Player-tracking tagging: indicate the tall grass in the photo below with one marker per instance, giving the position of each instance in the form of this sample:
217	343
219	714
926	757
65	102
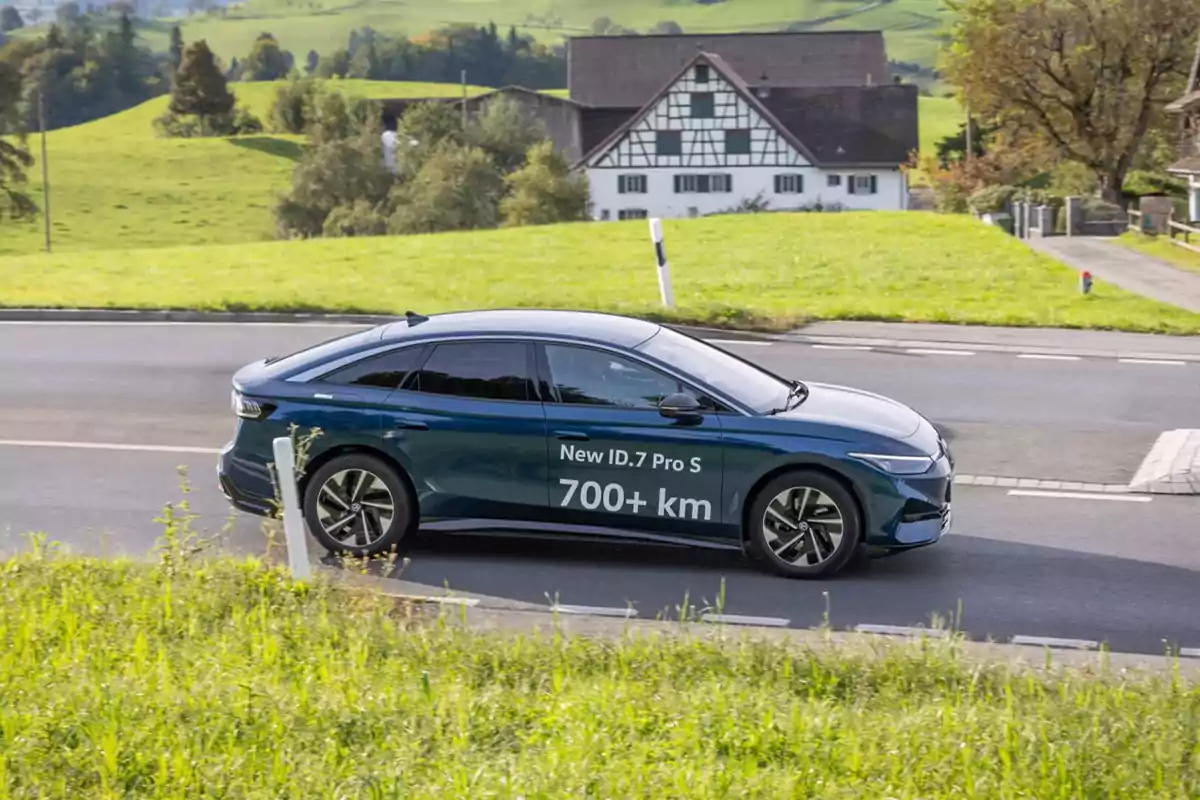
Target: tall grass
199	676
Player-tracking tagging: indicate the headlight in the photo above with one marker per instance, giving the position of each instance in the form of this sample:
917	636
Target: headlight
247	408
897	465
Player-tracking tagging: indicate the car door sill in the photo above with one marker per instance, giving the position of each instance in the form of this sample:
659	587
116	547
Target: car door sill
544	530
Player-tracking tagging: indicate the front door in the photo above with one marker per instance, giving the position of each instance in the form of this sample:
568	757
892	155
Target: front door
614	460
469	428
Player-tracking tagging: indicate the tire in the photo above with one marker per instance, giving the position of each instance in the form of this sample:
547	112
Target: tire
815	549
370	530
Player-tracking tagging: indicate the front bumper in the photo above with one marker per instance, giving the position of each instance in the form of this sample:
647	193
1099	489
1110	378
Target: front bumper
916	511
246	484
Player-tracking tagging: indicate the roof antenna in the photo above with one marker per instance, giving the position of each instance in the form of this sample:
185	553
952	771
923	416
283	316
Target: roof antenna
414	318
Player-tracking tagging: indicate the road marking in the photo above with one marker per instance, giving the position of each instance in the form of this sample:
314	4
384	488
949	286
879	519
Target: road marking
140	448
1047	357
902	630
740	619
841	347
752	342
1128	498
1050	641
597	611
1162	361
921	351
1190	652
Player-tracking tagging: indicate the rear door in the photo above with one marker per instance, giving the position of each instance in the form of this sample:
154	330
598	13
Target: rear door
469	427
614	460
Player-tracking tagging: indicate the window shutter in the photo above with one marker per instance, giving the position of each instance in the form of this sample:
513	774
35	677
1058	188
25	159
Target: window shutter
850	181
678	181
778	178
874	185
620	184
800	184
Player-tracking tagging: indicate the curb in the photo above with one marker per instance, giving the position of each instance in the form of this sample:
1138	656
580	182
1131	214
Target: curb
1172	465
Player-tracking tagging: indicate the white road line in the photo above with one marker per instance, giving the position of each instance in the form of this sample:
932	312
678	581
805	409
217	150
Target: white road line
751	342
1047	357
841	347
1127	498
739	619
921	351
596	611
1050	641
1190	652
1163	361
902	630
139	448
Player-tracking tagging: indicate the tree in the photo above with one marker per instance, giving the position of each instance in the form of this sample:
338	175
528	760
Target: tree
10	19
267	60
14	156
544	190
334	186
1090	77
456	188
199	86
311	62
176	47
667	27
506	131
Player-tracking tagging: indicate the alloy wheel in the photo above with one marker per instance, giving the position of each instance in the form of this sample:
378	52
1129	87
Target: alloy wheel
803	526
355	507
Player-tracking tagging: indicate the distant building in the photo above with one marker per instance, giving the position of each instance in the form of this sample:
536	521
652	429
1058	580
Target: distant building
688	125
1188	163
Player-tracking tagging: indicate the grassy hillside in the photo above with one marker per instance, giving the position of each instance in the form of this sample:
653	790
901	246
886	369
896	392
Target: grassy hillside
116	184
771	270
323	25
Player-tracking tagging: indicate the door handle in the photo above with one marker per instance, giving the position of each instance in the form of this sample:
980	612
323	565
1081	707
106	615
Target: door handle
573	436
409	425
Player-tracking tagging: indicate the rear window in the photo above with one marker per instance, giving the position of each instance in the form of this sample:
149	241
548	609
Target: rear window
321	351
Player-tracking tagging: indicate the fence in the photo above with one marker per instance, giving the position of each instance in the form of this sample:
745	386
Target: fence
1178	233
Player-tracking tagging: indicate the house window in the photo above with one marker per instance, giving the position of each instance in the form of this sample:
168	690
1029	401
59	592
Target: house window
693	211
668	143
631	213
631	184
604	215
862	184
702	104
833	180
789	184
737	142
703	184
702	73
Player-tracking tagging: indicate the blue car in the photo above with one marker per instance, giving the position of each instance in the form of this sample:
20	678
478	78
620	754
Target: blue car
579	422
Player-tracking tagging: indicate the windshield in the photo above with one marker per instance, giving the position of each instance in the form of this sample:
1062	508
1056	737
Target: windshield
736	378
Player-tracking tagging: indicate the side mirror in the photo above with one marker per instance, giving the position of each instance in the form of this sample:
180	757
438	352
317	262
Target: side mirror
680	406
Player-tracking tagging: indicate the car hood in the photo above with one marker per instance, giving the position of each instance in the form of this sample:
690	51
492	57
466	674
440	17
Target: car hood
853	408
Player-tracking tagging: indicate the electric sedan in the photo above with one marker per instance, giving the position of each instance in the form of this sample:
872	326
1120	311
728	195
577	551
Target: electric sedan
580	422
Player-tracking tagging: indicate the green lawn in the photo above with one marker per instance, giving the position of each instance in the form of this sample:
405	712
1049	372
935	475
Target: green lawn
1159	247
116	184
771	270
224	678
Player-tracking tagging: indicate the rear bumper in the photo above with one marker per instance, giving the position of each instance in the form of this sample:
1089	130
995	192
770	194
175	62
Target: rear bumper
246	484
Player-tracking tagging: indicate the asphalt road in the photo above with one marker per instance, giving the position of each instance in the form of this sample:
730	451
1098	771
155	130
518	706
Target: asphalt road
1116	571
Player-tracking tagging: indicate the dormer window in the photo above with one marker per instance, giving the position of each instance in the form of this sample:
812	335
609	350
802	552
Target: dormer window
701	73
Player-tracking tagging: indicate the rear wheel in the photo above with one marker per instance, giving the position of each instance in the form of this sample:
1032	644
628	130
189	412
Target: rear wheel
358	504
804	524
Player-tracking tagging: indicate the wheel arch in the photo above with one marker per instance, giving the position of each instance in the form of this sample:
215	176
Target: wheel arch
325	456
802	466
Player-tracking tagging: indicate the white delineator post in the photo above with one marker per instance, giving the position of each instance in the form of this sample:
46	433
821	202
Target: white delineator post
293	519
664	272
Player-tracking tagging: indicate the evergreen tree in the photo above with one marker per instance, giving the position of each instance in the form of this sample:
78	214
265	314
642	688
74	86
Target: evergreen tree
199	87
10	19
310	63
176	46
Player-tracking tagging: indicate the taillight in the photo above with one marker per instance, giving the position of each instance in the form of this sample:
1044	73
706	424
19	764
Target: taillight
247	408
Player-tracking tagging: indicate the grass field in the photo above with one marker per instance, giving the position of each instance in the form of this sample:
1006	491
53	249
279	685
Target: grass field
222	678
1159	247
771	270
939	117
115	183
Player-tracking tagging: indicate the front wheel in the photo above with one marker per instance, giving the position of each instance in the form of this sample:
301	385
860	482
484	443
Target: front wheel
357	504
804	524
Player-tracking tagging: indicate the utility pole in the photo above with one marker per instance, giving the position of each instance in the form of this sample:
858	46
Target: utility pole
464	99
970	149
45	164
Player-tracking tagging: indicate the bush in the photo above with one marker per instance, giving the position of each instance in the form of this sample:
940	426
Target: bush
456	188
293	106
189	126
991	199
544	190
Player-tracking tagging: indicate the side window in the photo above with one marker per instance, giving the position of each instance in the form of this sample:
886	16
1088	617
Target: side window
385	371
481	370
592	377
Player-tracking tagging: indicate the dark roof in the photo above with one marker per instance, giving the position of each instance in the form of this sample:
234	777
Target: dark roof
597	124
869	125
398	105
626	71
584	325
1189	166
853	124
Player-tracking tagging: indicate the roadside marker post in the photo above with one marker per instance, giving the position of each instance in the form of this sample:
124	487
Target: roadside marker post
293	520
660	255
1085	282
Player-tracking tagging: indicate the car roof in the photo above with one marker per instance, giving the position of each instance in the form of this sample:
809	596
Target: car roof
588	325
